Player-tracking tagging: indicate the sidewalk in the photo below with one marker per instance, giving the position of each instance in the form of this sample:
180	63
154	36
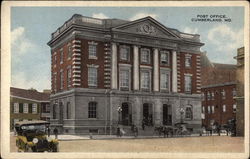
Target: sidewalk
103	137
63	137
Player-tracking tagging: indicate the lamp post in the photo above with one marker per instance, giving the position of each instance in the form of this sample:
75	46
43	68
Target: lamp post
119	109
182	112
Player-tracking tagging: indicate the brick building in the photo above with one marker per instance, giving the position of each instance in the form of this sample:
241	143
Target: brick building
218	92
108	70
240	92
28	105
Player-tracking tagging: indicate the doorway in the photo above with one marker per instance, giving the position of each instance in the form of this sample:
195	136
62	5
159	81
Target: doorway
167	114
126	114
148	114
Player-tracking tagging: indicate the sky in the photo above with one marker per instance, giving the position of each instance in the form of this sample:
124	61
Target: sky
31	29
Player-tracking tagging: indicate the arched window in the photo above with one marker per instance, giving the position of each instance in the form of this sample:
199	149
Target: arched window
68	110
189	112
92	109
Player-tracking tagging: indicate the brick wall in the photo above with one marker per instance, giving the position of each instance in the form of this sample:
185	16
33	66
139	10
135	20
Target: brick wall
218	115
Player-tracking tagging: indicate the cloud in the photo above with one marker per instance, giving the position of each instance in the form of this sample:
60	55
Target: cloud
190	30
20	44
142	15
225	42
226	38
99	15
37	81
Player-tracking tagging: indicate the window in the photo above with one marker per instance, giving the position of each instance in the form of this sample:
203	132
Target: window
202	96
20	107
188	83
145	56
224	108
25	108
124	79
55	81
234	108
30	107
69	51
188	60
208	96
164	81
55	59
61	79
164	57
223	94
124	53
16	107
203	109
234	92
145	80
68	110
208	109
69	77
92	76
48	108
61	55
189	113
34	108
212	109
212	95
92	51
92	109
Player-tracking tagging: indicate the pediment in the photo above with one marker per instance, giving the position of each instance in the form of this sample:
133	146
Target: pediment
146	26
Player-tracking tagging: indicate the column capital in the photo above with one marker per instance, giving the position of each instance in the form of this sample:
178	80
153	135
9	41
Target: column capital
138	46
156	48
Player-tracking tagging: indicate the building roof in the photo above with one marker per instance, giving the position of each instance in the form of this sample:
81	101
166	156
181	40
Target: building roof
216	73
29	94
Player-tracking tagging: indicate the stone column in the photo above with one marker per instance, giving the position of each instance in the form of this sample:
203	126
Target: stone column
174	72
114	67
156	70
135	68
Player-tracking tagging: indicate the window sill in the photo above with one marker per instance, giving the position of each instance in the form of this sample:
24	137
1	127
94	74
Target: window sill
145	89
124	88
164	64
91	86
93	57
92	118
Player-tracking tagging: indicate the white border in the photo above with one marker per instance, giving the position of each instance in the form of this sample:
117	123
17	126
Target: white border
5	78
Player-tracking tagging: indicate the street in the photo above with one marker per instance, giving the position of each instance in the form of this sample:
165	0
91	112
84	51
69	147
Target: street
183	144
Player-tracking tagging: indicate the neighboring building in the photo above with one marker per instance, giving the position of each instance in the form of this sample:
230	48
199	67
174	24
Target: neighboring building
240	92
148	70
218	92
28	105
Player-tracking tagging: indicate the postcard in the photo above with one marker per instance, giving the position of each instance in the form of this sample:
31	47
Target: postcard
127	79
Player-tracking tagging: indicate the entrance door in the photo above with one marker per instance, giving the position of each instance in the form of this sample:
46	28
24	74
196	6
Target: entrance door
126	114
148	114
167	114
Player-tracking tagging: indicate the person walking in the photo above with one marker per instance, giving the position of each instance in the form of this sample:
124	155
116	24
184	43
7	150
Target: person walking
143	124
118	132
135	131
48	131
56	132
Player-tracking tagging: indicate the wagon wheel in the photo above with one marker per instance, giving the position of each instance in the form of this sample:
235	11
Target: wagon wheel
178	132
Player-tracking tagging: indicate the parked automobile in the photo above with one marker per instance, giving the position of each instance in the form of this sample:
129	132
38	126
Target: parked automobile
32	137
